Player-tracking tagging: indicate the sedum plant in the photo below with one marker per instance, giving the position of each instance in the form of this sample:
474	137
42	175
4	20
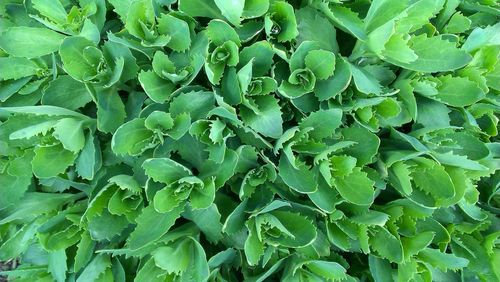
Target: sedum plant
250	140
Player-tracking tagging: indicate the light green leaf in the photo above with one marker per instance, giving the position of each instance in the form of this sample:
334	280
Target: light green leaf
366	147
267	121
442	261
322	63
323	123
110	110
219	32
301	180
435	54
365	81
95	268
58	265
281	20
49	161
387	245
327	269
232	10
355	187
314	27
70	132
480	37
75	62
178	30
200	8
132	138
458	91
66	92
30	42
165	170
158	89
151	225
53	10
15	68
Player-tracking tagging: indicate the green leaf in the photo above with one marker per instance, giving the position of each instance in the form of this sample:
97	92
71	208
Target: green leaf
261	53
458	23
223	171
321	63
202	198
10	87
387	245
380	269
268	120
151	225
281	19
323	123
480	37
30	42
158	89
70	132
231	91
197	104
232	10
53	10
167	199
428	175
58	265
313	26
355	187
178	30
165	170
184	258
110	110
14	188
254	248
95	268
255	8
366	147
300	227
207	220
173	259
442	261
381	12
139	136
84	252
66	92
159	121
301	180
139	20
396	48
327	269
200	8
365	81
219	32
435	54
336	84
15	68
76	64
132	138
49	161
345	19
413	245
325	197
189	260
18	242
458	91
400	178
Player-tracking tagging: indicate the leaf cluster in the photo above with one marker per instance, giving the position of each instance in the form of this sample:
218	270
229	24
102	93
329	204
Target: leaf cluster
250	140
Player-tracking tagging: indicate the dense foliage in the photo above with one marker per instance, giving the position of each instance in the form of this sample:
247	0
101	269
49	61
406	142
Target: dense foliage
250	140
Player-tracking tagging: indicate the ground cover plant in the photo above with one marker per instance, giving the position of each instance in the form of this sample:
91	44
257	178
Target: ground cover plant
250	140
